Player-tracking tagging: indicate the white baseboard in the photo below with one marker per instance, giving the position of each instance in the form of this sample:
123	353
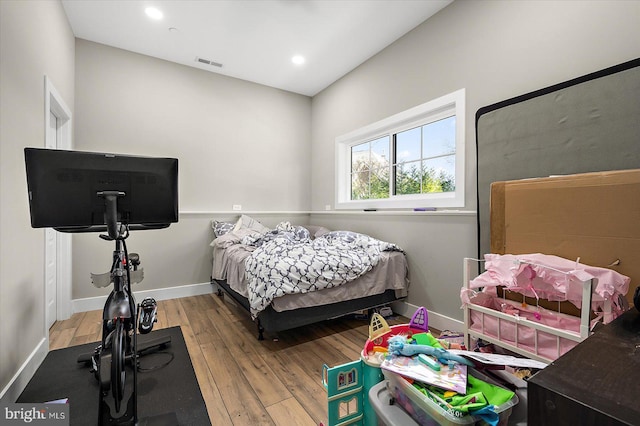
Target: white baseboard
436	320
96	303
19	381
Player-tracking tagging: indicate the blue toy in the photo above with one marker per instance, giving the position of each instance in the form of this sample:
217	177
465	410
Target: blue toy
398	346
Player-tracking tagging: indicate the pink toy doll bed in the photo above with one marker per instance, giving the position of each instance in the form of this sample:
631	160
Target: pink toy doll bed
540	294
532	330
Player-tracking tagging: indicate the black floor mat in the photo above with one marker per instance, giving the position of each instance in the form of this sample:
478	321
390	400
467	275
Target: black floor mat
162	389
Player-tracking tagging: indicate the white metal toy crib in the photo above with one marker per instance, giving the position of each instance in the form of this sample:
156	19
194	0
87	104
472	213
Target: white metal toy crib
545	342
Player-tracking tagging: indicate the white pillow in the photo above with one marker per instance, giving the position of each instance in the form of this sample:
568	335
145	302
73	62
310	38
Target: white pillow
249	222
316	231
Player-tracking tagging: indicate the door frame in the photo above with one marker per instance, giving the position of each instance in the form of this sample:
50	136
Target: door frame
54	103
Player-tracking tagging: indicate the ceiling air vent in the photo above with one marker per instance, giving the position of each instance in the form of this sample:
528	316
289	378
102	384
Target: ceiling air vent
208	62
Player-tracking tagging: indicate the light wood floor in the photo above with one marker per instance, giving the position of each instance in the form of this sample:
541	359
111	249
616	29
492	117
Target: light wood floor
277	381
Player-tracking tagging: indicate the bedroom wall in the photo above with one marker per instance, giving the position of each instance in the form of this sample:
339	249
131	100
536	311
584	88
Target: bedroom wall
35	40
494	49
236	142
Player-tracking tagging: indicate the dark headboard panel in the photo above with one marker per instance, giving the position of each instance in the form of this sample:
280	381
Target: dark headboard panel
588	124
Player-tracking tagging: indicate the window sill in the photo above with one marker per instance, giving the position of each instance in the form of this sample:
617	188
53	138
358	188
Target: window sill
443	212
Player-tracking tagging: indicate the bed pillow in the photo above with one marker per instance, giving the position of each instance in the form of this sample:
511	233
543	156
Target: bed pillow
249	222
348	236
221	228
301	233
317	231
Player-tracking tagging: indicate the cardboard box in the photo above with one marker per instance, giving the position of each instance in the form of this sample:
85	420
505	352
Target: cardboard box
591	216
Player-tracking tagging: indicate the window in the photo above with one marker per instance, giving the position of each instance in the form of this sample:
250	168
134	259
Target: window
348	408
347	378
412	159
370	169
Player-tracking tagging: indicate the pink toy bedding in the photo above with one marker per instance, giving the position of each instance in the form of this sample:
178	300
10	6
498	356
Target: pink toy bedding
518	333
553	278
529	329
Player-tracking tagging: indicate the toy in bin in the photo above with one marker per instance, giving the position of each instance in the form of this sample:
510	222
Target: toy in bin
376	348
430	406
348	385
433	385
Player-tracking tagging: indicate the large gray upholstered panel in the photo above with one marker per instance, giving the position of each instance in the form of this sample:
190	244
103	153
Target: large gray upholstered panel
588	124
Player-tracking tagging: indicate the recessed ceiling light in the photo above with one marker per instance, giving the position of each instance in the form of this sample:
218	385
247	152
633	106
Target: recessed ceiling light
298	59
153	13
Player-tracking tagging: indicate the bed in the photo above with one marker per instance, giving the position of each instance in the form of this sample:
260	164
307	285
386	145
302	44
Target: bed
291	276
556	176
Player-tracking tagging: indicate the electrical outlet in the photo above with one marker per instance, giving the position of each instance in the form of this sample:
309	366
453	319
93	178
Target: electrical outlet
237	207
327	207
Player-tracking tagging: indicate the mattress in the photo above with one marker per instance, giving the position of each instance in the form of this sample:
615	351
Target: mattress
391	273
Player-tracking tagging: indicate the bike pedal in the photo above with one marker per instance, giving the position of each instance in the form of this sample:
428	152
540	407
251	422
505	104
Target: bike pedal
148	310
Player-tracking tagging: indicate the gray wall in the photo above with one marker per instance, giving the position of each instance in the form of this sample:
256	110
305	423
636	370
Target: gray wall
236	142
435	245
494	49
35	40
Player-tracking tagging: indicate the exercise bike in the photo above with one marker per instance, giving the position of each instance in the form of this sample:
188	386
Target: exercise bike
81	191
121	319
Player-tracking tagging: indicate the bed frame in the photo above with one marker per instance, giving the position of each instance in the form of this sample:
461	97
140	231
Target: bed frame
272	321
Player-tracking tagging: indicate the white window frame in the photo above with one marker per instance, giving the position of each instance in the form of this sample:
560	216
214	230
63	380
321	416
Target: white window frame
437	109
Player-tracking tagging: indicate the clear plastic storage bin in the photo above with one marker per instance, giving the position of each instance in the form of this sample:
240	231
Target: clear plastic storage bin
388	414
427	412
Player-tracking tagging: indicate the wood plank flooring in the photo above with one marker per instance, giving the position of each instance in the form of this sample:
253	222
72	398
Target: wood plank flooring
277	381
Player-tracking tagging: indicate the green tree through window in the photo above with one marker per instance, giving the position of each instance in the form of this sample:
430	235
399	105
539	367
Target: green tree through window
411	159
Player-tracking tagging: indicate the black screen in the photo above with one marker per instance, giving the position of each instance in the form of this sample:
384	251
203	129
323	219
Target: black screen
64	185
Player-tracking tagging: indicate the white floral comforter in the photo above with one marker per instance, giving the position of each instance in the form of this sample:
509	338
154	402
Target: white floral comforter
286	261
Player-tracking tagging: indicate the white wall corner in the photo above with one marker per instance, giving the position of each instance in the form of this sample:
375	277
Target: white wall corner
19	381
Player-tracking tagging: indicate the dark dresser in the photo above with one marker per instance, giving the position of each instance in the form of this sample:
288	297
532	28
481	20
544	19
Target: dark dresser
595	383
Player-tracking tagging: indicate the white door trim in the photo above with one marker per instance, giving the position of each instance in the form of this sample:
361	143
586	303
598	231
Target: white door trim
56	105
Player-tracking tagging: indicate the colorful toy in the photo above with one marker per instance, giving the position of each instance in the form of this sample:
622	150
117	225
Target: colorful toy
348	385
344	386
429	361
398	346
379	333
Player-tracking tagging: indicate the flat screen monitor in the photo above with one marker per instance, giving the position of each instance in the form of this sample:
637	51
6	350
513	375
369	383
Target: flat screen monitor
66	189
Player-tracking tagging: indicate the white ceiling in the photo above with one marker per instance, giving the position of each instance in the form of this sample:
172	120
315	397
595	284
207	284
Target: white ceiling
255	39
